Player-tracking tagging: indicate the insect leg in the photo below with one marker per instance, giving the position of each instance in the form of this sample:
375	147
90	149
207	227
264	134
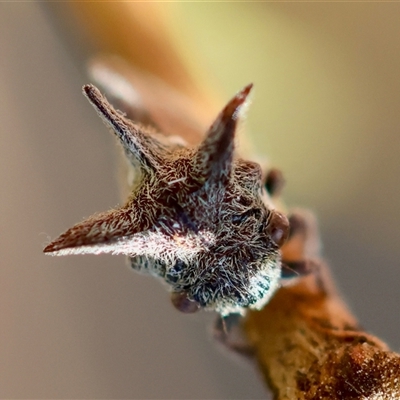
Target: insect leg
228	332
302	248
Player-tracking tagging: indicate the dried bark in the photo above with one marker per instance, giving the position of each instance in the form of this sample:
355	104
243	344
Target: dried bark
309	346
306	342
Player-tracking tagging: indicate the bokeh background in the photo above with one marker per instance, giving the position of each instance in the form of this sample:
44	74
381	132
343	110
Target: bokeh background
325	110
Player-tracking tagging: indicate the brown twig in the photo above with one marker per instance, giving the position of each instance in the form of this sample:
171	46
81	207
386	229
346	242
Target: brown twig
309	346
307	343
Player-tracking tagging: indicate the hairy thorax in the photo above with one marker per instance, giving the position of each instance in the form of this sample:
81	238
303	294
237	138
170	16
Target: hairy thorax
197	217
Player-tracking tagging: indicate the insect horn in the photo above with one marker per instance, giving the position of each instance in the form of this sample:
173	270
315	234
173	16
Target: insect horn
90	235
139	146
213	159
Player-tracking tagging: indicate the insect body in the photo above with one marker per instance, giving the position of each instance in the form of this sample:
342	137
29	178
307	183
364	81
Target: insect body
198	217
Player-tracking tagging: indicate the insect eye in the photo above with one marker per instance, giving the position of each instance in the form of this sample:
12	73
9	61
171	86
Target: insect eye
278	228
240	218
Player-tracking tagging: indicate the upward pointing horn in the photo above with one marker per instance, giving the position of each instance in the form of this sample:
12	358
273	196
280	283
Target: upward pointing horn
139	146
213	159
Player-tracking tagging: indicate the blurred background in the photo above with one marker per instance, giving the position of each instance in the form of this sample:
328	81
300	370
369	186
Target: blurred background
325	110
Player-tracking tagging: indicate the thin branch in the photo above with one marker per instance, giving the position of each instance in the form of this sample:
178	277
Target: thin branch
308	345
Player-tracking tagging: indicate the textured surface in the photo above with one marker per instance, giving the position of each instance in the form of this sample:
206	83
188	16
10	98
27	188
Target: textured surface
198	217
88	326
